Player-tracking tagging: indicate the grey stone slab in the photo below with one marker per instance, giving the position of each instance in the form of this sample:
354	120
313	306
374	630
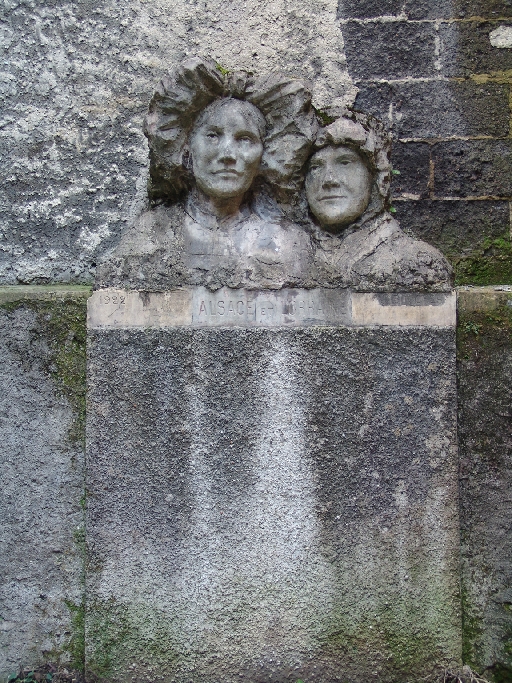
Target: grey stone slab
364	9
42	379
467	49
199	307
459	9
485	435
412	160
272	504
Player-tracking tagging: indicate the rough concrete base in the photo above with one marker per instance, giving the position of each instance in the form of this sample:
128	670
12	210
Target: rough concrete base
42	351
272	505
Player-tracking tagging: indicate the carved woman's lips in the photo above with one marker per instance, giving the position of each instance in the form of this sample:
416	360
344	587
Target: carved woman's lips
227	171
332	196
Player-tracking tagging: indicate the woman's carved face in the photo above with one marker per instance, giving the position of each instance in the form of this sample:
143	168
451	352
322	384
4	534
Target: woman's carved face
338	186
226	147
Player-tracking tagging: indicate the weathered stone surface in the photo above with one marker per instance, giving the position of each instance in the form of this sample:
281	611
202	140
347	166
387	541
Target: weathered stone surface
272	504
484	341
391	50
468	50
42	346
433	9
380	257
438	109
222	234
75	85
475	168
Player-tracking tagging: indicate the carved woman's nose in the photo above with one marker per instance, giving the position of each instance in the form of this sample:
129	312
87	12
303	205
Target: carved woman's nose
330	180
227	151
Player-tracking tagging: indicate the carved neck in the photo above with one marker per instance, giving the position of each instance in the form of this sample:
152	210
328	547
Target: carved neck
221	208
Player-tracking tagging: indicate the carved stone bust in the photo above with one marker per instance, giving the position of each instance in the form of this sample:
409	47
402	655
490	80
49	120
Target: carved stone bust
222	150
232	158
357	242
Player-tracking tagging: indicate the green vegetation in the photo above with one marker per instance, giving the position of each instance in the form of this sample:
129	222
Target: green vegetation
120	635
471	630
30	677
483	329
490	264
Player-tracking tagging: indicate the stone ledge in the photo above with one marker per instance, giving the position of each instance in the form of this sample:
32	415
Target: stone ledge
19	292
471	299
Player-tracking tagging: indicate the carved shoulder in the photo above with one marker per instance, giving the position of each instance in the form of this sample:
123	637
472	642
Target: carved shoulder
381	257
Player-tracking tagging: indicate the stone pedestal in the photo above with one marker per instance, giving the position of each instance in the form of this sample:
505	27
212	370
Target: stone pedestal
272	486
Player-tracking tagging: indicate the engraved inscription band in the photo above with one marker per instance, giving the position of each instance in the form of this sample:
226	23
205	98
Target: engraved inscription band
198	307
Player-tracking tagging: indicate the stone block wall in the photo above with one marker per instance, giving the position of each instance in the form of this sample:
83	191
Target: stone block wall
434	72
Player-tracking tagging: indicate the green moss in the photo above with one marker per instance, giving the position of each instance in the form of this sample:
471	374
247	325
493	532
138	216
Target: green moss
137	637
490	264
324	117
502	673
404	639
472	630
76	645
222	70
484	329
62	321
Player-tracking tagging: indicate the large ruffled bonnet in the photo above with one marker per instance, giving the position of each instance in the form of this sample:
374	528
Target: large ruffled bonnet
284	102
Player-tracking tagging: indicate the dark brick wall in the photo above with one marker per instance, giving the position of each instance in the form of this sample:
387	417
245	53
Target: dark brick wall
429	70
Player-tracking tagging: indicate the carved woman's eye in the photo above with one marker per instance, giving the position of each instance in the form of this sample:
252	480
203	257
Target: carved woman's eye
246	138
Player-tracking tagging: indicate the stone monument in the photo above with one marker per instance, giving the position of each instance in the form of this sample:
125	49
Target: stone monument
272	476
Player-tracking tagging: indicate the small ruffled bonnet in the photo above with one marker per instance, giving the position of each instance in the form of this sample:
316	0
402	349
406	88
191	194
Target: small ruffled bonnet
369	137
